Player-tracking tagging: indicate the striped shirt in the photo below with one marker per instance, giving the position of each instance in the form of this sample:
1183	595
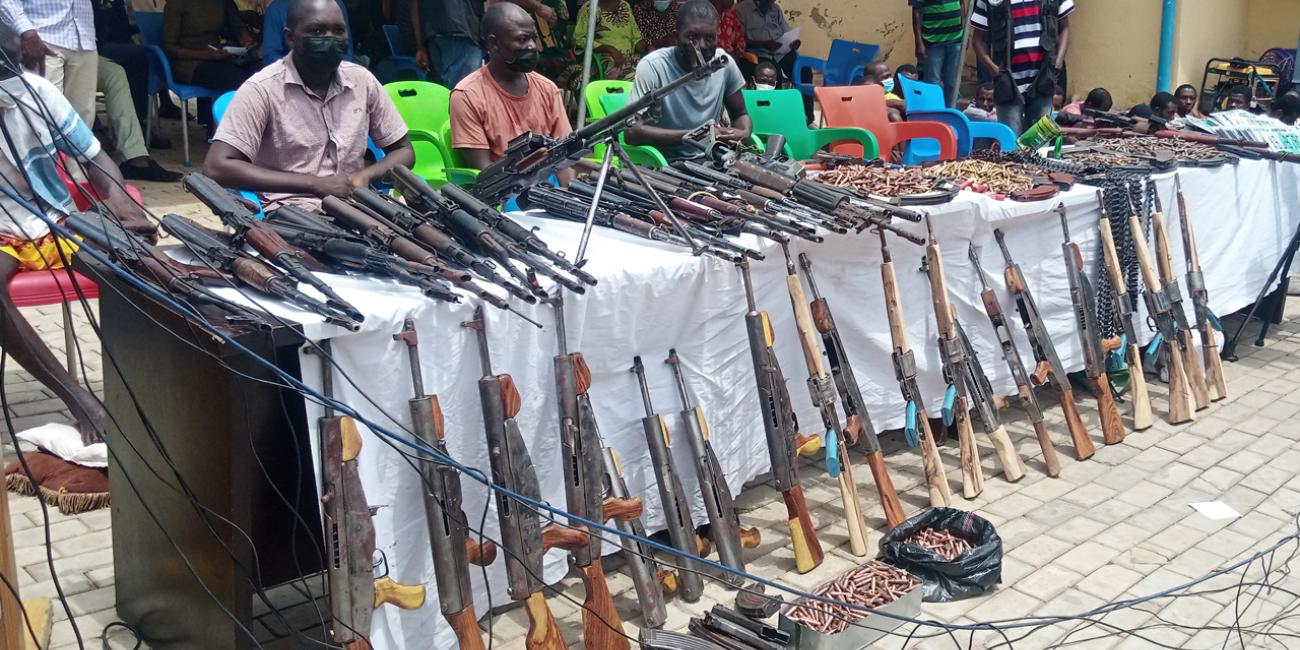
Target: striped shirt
940	20
1026	54
69	24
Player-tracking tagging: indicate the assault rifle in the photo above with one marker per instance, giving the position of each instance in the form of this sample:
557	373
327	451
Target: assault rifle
1011	355
917	423
522	535
699	213
1048	365
349	532
650	582
1205	319
255	233
583	489
857	424
185	281
1186	340
531	158
249	270
1084	300
453	550
677	514
724	526
784	442
571	207
821	387
762	199
731	202
1142	418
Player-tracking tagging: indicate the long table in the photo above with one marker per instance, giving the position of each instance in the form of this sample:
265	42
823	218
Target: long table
651	298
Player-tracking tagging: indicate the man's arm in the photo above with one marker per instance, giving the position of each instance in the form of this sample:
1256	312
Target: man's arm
980	40
741	125
172	41
475	158
1062	41
230	167
33	49
421	54
108	182
398	153
916	31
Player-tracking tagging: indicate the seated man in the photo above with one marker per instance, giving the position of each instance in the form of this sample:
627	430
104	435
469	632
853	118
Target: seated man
124	125
505	98
1188	97
877	74
194	38
1238	99
982	108
28	105
275	44
698	102
1286	108
766	76
297	130
1098	99
1164	106
765	24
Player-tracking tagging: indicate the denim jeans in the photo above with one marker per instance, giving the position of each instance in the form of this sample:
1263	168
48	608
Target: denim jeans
942	66
1019	117
454	58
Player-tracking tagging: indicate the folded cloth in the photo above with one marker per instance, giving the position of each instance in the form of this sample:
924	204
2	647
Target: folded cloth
65	442
69	486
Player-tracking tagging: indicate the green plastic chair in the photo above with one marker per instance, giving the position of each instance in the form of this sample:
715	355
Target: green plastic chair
781	111
425	108
609	101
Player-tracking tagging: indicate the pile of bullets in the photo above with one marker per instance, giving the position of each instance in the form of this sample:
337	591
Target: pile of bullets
874	584
1151	146
879	180
942	542
984	176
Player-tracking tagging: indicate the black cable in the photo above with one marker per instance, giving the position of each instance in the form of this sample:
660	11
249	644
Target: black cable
103	635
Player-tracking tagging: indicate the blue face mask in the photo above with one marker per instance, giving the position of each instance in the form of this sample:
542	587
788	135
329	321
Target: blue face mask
888	85
662	5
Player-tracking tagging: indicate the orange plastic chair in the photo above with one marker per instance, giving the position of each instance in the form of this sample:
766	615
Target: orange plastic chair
864	107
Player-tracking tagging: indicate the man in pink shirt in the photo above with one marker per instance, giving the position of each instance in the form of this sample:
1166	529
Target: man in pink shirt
297	130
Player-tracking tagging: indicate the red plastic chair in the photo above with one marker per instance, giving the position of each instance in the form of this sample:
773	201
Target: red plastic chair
864	107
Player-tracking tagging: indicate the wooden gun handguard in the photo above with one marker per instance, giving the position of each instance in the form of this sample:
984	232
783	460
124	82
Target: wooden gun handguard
569	539
511	402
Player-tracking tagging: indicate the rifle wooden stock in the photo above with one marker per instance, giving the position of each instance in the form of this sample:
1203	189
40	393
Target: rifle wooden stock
601	625
543	631
1050	459
391	592
808	553
885	488
564	537
1142	417
1180	394
465	625
1186	343
1083	446
1209	344
1112	428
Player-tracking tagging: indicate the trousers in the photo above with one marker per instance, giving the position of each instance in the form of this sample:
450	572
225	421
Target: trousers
123	122
942	66
1018	117
73	72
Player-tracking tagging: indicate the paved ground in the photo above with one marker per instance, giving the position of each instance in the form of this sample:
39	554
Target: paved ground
1115	527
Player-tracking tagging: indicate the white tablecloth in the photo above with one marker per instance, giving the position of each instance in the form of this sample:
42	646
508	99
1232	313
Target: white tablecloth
652	298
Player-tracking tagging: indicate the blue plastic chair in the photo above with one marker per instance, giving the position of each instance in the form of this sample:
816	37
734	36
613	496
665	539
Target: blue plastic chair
160	73
844	65
219	107
397	49
925	102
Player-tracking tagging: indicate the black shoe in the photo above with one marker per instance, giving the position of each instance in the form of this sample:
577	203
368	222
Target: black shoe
152	172
159	142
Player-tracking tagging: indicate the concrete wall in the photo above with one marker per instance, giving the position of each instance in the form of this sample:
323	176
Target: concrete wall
1115	44
1206	30
1271	23
887	23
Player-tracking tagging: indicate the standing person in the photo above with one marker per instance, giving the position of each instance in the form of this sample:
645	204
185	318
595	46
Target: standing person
1187	97
938	31
506	97
58	42
697	103
194	33
619	42
446	37
657	20
1022	44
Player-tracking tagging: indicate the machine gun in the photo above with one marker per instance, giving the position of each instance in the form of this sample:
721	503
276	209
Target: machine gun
453	550
781	427
917	423
1142	417
255	233
349	532
184	280
1205	319
531	158
1048	364
249	270
522	535
1011	355
1186	340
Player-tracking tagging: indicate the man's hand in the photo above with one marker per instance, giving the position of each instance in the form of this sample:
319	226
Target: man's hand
728	134
547	14
422	59
216	54
34	51
246	39
793	46
920	51
336	185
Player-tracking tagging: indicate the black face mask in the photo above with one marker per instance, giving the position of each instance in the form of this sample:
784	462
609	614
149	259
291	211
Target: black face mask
320	54
525	60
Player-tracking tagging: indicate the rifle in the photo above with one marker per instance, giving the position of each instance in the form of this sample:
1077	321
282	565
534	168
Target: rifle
650	583
522	536
724	526
250	271
1085	315
1205	319
704	215
677	514
354	592
821	387
263	239
1186	341
186	281
1011	355
917	427
583	489
781	427
1142	418
1180	393
1048	365
857	424
764	200
452	548
531	158
571	207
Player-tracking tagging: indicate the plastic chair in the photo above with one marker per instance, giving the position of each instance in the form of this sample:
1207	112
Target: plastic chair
846	62
426	109
864	107
160	74
53	287
641	154
397	49
219	107
781	111
925	102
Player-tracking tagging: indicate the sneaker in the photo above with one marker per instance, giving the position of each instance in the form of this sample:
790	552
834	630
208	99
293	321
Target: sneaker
152	172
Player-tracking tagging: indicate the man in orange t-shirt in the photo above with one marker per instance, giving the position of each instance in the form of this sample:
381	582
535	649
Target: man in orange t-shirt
505	98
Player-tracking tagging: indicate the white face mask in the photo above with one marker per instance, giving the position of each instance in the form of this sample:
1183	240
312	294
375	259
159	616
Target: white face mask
888	85
759	86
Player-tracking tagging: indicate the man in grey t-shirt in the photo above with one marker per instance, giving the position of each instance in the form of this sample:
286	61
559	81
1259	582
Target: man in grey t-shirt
698	102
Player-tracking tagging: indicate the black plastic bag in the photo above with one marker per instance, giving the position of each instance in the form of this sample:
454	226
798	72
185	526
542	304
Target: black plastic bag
970	574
